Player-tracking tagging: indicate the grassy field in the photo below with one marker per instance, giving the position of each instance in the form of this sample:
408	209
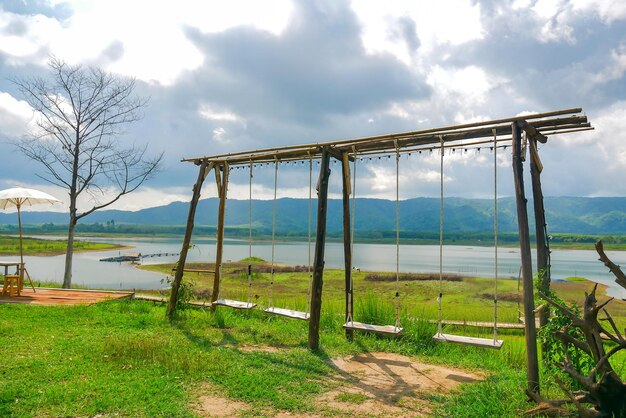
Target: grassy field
10	245
123	358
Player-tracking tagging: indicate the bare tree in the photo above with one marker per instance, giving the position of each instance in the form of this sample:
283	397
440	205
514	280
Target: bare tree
80	113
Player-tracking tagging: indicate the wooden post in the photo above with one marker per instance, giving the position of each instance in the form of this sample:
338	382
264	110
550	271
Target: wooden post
222	191
543	251
532	362
347	240
318	261
178	276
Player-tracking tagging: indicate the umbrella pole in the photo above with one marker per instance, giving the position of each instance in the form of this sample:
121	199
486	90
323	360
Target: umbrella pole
22	266
19	223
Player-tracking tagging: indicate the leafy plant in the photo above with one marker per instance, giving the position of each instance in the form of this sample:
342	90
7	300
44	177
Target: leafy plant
554	351
185	292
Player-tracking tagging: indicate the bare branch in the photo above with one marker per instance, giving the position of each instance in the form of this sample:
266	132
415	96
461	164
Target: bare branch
613	325
620	277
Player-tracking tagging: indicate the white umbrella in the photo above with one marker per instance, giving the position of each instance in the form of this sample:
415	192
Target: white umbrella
18	197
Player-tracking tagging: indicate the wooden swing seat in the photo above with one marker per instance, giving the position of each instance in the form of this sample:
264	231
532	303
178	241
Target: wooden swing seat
473	341
236	304
289	313
377	329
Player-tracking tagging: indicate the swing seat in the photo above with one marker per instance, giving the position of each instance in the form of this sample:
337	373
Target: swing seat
236	304
289	313
376	329
473	341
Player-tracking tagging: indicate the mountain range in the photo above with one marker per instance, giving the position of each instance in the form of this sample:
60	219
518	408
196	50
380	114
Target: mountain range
579	215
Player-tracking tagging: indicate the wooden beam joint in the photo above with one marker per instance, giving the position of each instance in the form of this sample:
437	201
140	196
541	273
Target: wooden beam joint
532	132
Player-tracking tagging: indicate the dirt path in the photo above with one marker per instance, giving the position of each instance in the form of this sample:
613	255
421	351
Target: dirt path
369	384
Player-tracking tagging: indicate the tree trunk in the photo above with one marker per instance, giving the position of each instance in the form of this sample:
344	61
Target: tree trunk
69	253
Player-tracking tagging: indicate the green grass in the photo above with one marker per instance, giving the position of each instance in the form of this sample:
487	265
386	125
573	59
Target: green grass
124	358
10	245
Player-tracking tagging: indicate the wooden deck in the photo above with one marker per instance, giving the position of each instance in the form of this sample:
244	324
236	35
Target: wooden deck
45	296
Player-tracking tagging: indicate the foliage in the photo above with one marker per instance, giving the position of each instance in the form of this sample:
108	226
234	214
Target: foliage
186	292
554	351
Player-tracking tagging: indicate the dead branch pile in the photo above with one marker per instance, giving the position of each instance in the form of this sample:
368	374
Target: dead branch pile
604	393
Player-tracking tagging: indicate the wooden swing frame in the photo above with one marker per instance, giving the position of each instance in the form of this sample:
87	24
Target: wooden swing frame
515	131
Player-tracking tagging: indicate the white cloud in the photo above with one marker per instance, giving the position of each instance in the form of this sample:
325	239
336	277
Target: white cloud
608	10
440	22
151	34
616	69
219	135
465	87
30	35
210	113
557	19
16	116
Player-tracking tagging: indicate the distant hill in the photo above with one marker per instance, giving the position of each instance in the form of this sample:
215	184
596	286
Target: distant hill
600	215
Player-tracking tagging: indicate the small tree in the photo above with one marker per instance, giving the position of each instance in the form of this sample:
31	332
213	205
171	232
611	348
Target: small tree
80	114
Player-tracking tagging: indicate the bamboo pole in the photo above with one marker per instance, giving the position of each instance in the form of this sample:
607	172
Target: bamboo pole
178	276
347	240
532	361
318	261
435	131
222	190
404	140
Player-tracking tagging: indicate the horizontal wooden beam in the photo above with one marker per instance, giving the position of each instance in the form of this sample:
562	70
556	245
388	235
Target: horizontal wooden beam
535	125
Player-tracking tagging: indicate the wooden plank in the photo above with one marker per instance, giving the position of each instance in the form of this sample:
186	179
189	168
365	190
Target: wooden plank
289	313
236	304
473	341
178	277
318	260
532	358
534	153
198	271
376	329
49	297
478	324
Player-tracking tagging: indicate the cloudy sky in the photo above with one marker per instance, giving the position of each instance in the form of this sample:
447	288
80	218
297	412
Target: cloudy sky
225	76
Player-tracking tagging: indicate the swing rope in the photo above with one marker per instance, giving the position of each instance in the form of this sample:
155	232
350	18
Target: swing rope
308	299
495	236
273	232
250	241
397	323
352	229
439	299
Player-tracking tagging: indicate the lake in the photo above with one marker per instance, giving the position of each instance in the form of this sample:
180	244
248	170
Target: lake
470	260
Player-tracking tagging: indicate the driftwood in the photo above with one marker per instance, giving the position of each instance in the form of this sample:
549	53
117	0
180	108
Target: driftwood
604	393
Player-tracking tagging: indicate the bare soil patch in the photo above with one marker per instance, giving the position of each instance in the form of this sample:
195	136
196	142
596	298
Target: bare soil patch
386	384
211	404
370	384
